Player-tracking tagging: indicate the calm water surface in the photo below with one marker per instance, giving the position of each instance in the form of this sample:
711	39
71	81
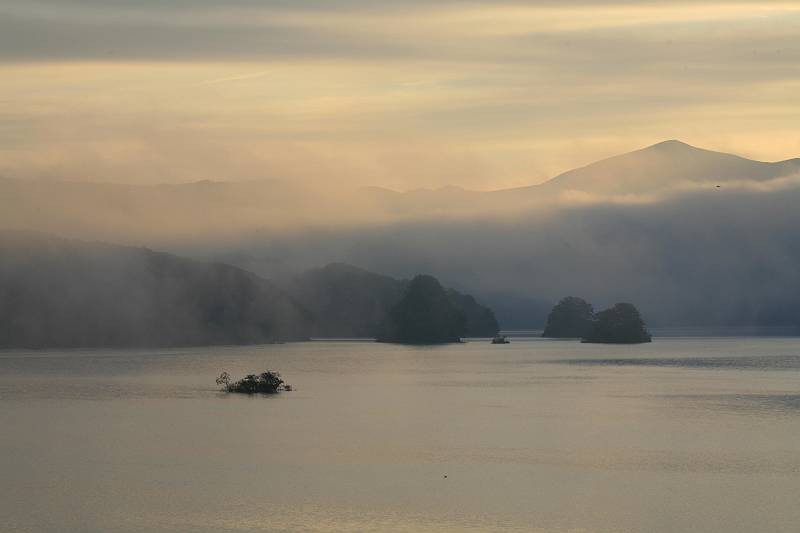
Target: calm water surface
693	434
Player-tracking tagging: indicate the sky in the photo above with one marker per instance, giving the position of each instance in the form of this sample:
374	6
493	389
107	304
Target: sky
399	94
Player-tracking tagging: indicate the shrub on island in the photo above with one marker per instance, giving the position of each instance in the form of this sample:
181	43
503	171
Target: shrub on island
268	382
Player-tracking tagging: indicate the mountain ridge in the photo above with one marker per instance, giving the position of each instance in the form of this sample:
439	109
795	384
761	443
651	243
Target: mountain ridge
666	162
223	212
670	162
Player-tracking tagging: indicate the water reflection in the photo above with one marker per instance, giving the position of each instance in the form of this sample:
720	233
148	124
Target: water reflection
765	362
680	435
760	405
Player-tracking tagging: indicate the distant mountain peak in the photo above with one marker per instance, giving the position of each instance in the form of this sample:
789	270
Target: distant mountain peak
662	166
672	144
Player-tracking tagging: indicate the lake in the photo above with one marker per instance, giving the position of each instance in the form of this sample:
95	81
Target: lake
684	434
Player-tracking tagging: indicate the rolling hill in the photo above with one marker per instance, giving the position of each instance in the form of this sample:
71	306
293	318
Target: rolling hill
64	293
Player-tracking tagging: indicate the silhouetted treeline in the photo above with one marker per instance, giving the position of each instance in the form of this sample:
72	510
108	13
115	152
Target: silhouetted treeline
64	293
570	318
574	317
424	315
620	324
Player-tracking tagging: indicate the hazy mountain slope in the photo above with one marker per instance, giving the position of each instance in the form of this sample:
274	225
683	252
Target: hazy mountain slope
348	301
179	216
480	320
716	257
666	167
352	302
702	255
428	202
58	293
659	167
179	213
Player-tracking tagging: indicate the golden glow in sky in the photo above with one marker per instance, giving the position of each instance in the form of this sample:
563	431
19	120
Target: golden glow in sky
397	94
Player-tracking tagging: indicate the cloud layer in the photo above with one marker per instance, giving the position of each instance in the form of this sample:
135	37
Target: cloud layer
399	94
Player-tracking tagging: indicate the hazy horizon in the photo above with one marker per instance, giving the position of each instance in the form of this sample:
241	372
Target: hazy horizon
643	151
422	188
399	266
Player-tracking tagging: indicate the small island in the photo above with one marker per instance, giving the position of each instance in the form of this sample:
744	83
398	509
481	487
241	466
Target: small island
620	324
425	315
571	318
268	382
574	318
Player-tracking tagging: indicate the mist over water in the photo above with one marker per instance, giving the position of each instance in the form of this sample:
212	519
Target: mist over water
692	236
186	185
699	434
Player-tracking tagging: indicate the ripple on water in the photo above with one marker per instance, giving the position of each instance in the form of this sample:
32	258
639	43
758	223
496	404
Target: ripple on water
771	362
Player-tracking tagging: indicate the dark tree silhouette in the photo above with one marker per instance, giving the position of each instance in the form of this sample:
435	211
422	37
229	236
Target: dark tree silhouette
621	324
425	315
480	320
268	382
570	318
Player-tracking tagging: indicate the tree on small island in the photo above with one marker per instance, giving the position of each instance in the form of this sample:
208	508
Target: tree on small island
620	324
571	318
425	315
268	382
